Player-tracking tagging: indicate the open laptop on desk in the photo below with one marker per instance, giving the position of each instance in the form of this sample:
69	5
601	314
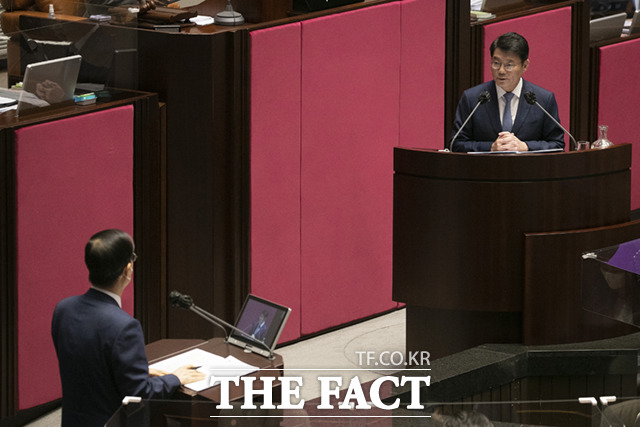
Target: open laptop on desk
264	321
607	27
49	82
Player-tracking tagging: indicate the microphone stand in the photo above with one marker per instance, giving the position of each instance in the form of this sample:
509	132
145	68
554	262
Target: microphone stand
185	301
482	98
531	98
209	318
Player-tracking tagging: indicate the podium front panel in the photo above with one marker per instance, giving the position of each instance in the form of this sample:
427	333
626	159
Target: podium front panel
460	222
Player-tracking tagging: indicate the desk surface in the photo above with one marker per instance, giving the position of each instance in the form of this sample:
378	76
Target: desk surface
162	349
117	97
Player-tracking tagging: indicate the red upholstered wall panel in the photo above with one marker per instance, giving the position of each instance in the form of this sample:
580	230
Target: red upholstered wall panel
422	73
619	102
275	169
350	110
549	37
74	177
331	97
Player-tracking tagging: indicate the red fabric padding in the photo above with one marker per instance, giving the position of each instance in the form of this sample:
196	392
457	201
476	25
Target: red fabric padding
331	97
549	37
74	178
350	125
619	102
275	169
422	73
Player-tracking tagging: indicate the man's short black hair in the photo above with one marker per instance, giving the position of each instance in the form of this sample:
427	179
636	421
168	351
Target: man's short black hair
106	255
511	42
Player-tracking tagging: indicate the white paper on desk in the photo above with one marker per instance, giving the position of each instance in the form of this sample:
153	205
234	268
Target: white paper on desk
210	365
233	368
548	150
202	20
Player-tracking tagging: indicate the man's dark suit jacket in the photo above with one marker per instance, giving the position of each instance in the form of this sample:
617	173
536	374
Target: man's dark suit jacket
102	359
259	331
531	126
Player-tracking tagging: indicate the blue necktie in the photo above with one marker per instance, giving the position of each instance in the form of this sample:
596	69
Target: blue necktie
507	121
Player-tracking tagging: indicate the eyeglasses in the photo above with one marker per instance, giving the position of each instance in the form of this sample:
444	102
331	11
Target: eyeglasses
507	67
134	257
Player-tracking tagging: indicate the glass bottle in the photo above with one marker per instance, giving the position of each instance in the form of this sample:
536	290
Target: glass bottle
602	141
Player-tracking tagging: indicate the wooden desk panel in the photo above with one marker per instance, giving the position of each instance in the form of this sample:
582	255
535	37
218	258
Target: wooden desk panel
553	312
459	233
16	290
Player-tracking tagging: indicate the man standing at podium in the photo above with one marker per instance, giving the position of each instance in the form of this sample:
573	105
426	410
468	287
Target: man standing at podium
100	347
503	120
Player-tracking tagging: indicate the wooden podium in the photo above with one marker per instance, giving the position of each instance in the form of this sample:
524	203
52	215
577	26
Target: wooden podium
199	407
459	234
163	349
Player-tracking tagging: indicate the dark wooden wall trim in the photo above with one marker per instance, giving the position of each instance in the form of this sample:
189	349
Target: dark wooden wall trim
458	69
149	220
207	178
8	314
594	95
231	222
580	71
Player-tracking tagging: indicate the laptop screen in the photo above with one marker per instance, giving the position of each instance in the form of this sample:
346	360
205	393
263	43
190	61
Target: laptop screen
49	82
263	321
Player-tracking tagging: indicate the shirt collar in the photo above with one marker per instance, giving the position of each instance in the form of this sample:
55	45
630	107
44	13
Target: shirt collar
111	294
500	92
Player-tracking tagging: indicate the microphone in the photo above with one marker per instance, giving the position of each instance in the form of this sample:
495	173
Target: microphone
531	99
185	301
483	98
178	299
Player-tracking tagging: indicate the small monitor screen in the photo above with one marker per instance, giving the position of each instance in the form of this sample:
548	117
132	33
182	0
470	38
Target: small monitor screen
262	321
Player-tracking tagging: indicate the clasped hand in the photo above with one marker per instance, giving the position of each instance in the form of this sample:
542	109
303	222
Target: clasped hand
507	141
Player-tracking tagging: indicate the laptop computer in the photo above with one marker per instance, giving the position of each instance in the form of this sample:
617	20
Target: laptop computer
49	82
607	27
263	322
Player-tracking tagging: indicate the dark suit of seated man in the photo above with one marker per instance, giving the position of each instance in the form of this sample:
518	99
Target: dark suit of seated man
522	127
100	347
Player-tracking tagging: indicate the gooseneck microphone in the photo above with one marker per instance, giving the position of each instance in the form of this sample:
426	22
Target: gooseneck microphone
178	299
483	98
531	99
